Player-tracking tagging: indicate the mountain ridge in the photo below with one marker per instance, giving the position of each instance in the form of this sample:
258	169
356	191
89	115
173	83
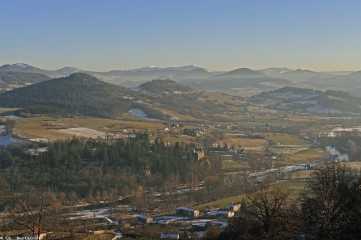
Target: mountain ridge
309	100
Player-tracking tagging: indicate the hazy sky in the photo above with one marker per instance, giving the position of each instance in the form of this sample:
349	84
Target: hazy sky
219	35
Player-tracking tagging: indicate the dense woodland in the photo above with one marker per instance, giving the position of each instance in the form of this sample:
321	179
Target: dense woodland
77	94
89	169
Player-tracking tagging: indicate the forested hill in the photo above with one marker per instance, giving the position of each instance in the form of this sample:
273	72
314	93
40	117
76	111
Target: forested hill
83	94
78	93
168	94
20	77
309	100
164	87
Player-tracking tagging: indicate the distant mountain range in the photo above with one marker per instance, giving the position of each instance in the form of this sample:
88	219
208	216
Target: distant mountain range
242	81
25	68
303	100
134	77
164	87
83	94
129	78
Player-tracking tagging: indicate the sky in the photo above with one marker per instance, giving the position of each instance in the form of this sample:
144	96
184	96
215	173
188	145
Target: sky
321	35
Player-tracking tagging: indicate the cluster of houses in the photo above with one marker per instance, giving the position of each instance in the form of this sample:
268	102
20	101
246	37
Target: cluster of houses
191	220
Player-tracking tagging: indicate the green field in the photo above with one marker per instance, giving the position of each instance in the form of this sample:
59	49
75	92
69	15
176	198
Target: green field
308	154
46	127
293	186
286	139
230	165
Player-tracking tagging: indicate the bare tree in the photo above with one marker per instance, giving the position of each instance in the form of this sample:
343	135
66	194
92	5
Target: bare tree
267	205
34	211
9	126
266	214
332	208
4	200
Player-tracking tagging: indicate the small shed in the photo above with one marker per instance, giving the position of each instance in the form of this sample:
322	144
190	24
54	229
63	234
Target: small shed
123	130
234	207
143	219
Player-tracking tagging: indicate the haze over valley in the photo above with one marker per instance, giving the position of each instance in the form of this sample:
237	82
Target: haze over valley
213	120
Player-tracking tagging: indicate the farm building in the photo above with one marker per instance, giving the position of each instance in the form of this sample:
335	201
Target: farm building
188	212
143	219
199	153
123	130
169	236
234	207
225	214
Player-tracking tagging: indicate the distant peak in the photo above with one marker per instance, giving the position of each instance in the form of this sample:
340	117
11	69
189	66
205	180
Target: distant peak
21	65
190	68
244	71
146	68
153	68
302	71
69	68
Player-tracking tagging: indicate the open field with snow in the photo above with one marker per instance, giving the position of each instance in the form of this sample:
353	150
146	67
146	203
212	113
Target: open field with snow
83	132
56	128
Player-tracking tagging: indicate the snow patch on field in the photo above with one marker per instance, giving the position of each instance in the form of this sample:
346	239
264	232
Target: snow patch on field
138	113
84	132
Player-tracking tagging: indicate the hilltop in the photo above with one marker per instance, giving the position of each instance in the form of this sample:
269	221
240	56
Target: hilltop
164	87
182	99
79	93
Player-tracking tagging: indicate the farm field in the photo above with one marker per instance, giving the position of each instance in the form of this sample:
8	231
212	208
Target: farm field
104	236
222	202
5	110
353	165
32	128
300	174
178	138
50	128
230	165
295	187
246	143
84	132
286	139
307	154
222	98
